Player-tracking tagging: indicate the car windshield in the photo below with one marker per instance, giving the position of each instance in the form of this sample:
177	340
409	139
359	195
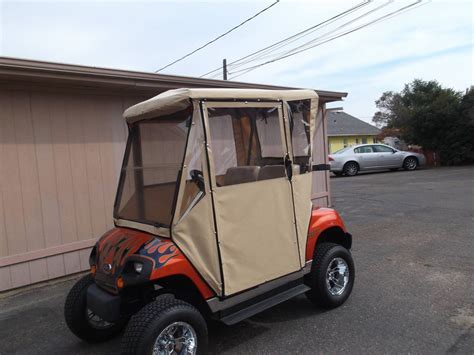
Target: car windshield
342	150
149	176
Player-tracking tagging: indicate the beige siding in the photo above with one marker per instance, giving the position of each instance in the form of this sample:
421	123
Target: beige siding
60	154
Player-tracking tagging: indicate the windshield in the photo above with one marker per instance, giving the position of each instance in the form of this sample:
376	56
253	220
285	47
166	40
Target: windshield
342	150
152	163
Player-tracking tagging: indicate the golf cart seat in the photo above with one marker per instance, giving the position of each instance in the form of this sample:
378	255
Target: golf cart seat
271	172
275	171
241	174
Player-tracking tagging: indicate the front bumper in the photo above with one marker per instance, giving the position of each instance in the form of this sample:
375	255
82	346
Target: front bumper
104	304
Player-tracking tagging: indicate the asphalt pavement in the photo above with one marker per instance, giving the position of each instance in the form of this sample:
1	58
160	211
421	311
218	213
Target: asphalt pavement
413	245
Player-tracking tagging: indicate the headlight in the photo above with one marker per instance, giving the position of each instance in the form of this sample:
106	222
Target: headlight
138	267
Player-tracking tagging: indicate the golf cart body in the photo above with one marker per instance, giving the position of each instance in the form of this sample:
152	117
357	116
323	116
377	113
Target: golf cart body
214	204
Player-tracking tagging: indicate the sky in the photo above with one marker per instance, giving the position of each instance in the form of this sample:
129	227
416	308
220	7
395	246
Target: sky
432	41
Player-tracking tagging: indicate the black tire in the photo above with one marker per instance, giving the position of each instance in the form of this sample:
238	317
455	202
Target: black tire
319	294
146	325
351	168
75	314
410	163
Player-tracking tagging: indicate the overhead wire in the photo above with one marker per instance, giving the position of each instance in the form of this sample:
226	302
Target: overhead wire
337	28
296	35
270	52
233	68
317	38
218	37
382	18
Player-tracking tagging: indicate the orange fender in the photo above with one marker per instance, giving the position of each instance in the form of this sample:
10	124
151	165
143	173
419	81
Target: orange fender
321	220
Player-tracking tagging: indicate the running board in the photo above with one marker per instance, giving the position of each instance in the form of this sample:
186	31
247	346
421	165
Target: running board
264	304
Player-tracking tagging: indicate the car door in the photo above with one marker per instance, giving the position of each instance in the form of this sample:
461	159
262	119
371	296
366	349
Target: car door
386	156
251	192
366	156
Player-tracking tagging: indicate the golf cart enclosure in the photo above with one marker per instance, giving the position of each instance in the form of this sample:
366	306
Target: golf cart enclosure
225	173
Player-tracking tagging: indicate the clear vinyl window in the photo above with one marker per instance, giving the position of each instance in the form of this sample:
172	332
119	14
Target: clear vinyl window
300	113
246	144
194	185
149	177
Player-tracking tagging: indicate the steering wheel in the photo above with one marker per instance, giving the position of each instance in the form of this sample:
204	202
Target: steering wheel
198	178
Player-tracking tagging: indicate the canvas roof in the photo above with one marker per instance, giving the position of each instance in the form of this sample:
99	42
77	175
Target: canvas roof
175	100
342	124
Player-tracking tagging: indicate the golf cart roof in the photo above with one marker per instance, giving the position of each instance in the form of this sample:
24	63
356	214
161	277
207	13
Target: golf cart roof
176	100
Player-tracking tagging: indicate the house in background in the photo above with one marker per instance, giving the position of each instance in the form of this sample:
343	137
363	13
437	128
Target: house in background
345	130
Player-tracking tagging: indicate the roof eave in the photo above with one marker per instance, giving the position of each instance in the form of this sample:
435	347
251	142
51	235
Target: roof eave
33	70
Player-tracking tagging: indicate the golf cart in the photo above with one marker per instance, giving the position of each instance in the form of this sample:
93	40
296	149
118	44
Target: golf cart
214	221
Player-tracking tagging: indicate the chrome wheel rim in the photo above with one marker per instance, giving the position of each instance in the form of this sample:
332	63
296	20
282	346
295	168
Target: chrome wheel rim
337	276
351	169
410	163
96	322
177	338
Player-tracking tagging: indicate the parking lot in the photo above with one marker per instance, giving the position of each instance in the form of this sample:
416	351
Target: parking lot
414	292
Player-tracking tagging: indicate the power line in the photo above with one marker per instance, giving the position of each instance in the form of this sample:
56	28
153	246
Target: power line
385	17
314	40
317	38
218	37
342	14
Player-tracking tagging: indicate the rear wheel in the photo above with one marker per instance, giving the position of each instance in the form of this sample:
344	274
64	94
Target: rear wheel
410	163
332	275
82	321
166	326
351	168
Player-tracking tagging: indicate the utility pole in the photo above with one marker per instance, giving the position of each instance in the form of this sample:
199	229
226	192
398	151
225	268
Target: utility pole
224	68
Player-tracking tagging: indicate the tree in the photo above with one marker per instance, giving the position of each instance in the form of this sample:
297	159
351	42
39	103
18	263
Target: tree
429	115
459	147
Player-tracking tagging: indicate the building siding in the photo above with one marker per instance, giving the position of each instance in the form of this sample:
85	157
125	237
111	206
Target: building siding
339	142
60	154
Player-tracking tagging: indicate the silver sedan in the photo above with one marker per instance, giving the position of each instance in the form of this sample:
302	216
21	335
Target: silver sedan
350	160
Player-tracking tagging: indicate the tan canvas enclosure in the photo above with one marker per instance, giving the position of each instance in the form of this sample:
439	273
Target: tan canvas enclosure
226	173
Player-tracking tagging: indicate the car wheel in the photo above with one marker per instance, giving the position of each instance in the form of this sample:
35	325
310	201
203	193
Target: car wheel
410	163
332	275
82	321
166	326
351	168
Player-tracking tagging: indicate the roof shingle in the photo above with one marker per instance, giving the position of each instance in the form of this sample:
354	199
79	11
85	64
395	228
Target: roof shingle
343	124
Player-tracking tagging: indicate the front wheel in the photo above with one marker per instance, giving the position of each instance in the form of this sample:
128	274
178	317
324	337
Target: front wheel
410	163
166	326
82	321
332	275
